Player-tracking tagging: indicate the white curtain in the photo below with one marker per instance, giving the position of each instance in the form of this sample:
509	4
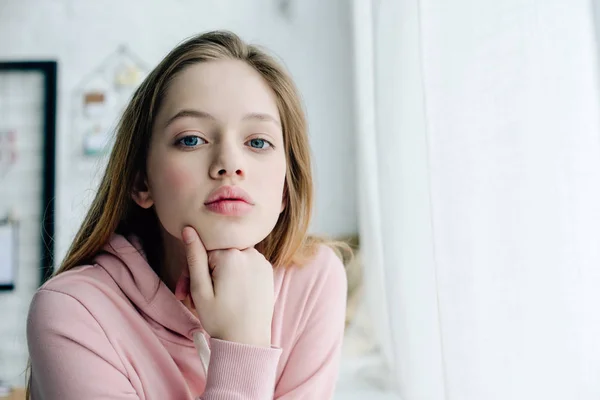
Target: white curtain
478	140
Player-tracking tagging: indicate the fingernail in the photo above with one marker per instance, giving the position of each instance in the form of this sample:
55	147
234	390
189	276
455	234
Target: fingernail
187	235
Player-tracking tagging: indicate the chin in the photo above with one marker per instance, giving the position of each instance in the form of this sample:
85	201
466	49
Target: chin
228	237
220	243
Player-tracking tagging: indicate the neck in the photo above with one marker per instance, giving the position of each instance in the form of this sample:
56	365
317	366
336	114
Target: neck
173	261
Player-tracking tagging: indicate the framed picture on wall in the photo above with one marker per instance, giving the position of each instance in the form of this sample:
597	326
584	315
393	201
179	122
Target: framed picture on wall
28	96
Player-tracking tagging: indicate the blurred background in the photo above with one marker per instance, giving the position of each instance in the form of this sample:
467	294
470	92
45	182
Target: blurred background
456	144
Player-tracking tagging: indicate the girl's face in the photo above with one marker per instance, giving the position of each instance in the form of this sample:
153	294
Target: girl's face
216	159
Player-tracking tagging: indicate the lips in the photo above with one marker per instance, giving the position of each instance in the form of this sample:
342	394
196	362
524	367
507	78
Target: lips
228	193
229	201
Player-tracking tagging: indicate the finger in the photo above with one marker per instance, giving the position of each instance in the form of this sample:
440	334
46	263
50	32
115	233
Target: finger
189	303
213	259
197	261
220	261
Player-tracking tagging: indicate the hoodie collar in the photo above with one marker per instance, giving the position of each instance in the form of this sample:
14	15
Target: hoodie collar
125	261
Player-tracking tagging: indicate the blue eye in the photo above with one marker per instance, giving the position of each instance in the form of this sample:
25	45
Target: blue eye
261	144
191	141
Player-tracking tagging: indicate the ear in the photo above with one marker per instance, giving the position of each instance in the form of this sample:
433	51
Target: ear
141	193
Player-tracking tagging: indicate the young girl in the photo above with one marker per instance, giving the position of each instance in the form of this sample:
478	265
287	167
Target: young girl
192	275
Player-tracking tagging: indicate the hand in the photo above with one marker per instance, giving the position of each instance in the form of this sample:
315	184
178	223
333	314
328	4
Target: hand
232	291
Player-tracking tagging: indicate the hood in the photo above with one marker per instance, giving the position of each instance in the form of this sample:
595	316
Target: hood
125	261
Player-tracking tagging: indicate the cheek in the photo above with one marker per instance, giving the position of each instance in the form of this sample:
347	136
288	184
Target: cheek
172	180
273	178
177	177
172	188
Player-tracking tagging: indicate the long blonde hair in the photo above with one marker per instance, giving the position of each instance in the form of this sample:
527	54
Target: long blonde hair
113	209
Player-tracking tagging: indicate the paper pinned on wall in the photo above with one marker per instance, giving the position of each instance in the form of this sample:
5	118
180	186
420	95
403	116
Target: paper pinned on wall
8	256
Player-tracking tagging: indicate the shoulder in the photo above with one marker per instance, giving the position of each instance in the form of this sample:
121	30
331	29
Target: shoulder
319	282
82	283
328	265
64	326
71	295
314	296
59	307
323	271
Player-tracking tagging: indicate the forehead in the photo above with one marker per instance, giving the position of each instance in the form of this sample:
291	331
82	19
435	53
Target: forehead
224	88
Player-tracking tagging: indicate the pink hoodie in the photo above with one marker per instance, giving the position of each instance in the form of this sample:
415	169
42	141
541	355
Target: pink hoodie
113	330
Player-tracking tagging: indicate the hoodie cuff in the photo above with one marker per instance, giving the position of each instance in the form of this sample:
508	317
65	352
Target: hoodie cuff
242	371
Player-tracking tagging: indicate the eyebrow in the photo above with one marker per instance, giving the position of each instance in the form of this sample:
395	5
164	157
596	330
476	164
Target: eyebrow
189	113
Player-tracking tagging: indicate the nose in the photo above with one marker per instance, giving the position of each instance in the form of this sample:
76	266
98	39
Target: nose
227	162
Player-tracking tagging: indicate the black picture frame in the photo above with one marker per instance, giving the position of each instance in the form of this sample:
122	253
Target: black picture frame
48	69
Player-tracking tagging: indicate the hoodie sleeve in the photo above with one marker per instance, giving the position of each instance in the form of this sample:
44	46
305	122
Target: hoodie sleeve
312	369
240	372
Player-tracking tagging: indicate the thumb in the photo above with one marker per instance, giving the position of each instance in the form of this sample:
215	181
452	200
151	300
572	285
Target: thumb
197	260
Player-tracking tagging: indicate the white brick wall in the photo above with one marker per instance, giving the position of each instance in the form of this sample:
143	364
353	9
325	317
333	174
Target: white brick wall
314	43
21	193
